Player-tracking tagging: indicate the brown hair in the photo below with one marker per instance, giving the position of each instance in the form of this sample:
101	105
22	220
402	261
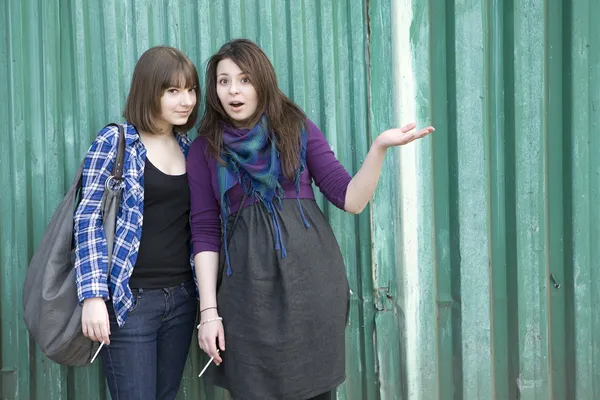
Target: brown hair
284	117
158	69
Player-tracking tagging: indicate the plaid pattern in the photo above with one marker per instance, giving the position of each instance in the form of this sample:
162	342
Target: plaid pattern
252	160
91	254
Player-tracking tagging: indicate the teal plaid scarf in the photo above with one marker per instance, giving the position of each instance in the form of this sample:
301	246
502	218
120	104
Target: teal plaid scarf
252	160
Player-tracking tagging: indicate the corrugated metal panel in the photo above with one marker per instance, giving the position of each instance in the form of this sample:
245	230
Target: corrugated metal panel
385	221
498	209
475	221
65	68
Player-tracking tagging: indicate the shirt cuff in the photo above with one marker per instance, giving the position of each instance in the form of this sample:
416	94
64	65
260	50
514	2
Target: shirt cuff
91	289
201	246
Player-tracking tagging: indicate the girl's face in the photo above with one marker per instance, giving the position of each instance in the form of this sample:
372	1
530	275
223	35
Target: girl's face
176	105
237	95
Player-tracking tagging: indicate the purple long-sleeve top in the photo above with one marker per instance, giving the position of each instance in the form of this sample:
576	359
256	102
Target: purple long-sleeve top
322	167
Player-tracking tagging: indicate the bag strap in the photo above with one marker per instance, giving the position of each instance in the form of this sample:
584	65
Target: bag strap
117	173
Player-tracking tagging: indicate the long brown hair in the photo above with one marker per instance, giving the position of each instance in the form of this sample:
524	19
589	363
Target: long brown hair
284	117
158	69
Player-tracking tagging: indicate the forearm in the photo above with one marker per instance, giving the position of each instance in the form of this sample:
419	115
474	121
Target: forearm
363	184
207	266
91	268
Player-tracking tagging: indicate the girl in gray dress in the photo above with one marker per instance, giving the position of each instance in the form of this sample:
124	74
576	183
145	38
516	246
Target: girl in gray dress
276	324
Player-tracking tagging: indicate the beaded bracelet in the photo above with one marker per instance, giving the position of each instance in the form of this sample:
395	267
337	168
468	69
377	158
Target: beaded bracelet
209	320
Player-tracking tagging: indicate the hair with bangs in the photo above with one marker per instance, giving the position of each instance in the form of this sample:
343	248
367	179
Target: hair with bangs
158	69
285	118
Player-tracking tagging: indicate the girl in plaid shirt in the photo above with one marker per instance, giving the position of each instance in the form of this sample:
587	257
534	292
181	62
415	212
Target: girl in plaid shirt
142	304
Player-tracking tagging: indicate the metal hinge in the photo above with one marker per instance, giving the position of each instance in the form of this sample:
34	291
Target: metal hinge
384	301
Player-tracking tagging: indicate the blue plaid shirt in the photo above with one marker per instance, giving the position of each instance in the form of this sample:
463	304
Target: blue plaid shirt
91	254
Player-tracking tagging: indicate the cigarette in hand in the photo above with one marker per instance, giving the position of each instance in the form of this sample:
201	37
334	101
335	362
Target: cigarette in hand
206	366
97	351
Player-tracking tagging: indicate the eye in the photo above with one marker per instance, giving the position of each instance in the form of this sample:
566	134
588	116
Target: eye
194	89
172	90
245	80
223	81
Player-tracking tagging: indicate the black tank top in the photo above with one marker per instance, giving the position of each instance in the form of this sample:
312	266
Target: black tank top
164	255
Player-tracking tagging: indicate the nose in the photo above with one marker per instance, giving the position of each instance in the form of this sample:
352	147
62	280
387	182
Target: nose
233	88
187	98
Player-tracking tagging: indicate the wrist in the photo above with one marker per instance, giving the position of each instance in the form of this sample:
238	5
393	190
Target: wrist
209	314
378	146
205	309
208	321
93	300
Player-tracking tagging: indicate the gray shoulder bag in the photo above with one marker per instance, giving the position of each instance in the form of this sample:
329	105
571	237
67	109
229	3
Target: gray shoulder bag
51	308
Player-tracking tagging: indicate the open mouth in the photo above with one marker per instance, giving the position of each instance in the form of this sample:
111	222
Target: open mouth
236	105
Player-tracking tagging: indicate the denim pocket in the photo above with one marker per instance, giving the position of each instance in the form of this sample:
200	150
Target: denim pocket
136	297
189	288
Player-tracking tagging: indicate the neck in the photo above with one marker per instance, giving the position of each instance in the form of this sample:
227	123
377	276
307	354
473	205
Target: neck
246	124
163	129
241	124
160	136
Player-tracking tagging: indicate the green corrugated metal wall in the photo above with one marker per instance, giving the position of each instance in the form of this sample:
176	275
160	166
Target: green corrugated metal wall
68	66
503	199
450	267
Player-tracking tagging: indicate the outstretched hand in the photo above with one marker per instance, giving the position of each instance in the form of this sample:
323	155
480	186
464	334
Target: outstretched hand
401	136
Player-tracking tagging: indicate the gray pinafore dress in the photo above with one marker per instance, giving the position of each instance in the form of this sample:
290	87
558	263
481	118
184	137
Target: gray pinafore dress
284	318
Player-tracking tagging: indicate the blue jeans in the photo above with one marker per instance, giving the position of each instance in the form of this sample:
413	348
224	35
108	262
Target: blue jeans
146	357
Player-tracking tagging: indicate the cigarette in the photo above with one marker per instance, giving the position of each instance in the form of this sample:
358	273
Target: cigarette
206	366
97	351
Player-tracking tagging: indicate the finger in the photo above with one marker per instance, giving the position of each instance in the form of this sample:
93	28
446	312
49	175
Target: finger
104	336
84	329
425	132
88	331
221	339
98	332
214	352
217	358
108	324
408	127
94	333
206	346
207	349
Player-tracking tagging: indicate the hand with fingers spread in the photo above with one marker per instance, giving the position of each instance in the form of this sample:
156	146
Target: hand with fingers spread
211	334
402	136
362	186
94	320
